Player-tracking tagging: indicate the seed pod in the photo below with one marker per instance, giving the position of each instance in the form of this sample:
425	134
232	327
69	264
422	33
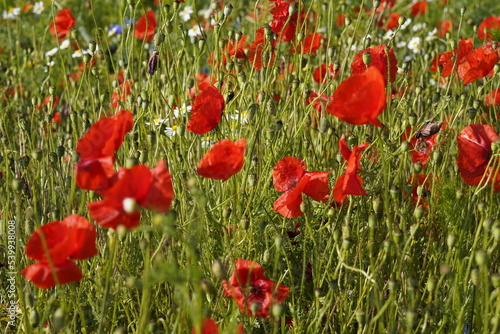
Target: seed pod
153	62
428	130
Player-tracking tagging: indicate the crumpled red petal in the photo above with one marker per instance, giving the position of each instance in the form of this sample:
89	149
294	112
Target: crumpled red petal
206	111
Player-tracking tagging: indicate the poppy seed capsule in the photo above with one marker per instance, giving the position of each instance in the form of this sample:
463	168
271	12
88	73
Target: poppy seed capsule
34	318
360	314
474	276
153	62
496	231
495	279
59	319
218	270
481	257
277	310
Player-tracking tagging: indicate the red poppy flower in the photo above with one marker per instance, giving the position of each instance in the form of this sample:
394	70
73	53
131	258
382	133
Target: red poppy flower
350	183
290	176
360	98
309	45
208	327
248	285
475	162
443	27
97	150
420	148
122	95
416	181
486	26
378	60
62	24
477	63
493	98
256	49
324	71
74	238
319	101
137	186
206	111
447	59
283	24
223	160
419	8
53	244
43	277
392	21
145	26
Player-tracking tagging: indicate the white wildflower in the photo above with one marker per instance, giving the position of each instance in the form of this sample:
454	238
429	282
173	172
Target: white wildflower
38	8
415	44
51	52
195	31
185	14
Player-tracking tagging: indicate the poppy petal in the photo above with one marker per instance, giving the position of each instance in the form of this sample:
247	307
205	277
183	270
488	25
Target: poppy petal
206	111
84	235
161	192
42	276
287	172
223	160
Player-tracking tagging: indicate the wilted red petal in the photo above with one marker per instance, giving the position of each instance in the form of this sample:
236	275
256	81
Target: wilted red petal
223	160
360	98
207	111
379	60
447	59
287	172
161	192
84	236
94	174
105	136
145	26
42	276
62	24
288	204
59	241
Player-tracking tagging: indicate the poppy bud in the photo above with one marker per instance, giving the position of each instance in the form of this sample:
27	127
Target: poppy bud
278	241
397	235
496	231
481	206
368	42
360	314
347	244
60	150
471	113
496	68
271	107
292	8
228	10
336	236
394	192
376	4
208	287
404	146
393	285
411	318
244	222
324	125
481	257
17	184
278	310
242	78
444	269
153	62
267	256
401	20
462	10
34	318
254	308
59	319
437	157
431	284
417	167
412	119
495	279
331	52
300	37
367	58
419	212
347	21
495	146
474	276
450	240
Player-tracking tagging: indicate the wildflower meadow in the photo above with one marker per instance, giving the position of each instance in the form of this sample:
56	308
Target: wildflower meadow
251	166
